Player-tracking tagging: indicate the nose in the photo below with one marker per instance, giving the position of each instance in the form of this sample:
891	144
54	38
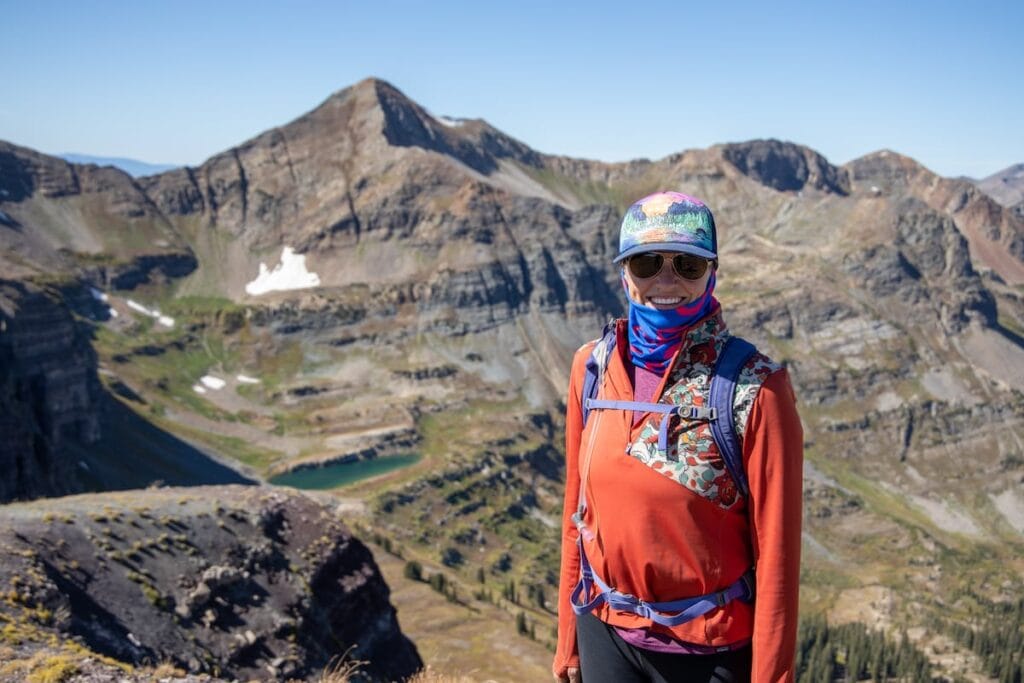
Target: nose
667	274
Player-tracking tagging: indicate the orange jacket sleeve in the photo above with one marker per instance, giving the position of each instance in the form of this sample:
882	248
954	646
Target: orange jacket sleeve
773	452
566	653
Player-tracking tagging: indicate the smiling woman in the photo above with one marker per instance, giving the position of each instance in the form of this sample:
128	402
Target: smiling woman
670	501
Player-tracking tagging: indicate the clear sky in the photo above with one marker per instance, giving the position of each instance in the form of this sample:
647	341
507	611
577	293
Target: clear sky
176	82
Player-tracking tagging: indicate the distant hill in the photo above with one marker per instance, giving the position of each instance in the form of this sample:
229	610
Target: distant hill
1006	186
132	167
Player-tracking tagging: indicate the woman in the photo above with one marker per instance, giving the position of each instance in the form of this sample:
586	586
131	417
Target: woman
678	564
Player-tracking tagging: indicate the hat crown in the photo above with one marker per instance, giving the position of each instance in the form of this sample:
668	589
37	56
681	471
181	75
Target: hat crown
668	221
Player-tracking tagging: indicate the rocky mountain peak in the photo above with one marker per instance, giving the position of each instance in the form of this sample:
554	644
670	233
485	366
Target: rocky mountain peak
474	142
786	166
885	168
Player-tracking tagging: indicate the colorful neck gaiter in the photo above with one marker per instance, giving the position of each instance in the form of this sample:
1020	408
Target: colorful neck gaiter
655	335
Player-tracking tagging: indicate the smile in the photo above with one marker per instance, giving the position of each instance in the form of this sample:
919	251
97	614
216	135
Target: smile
666	300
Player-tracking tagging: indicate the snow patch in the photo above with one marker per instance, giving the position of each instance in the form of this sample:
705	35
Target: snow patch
164	320
245	379
289	274
449	122
211	382
113	313
198	389
98	295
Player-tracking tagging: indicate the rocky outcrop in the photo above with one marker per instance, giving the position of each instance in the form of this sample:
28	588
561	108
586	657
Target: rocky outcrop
49	393
240	582
786	167
927	267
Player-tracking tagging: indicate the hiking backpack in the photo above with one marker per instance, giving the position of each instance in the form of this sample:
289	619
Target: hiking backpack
718	412
719	415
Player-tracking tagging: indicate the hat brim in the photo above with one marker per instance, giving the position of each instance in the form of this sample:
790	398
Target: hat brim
665	246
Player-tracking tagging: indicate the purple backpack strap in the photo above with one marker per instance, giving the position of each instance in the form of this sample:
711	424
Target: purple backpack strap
734	356
596	364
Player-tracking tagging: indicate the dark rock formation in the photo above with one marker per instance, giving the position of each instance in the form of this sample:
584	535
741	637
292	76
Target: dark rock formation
927	267
786	167
49	393
240	582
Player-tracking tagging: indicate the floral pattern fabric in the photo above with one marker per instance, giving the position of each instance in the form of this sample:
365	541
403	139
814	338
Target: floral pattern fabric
692	458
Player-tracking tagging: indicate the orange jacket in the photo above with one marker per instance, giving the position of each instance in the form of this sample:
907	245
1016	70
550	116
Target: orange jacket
670	528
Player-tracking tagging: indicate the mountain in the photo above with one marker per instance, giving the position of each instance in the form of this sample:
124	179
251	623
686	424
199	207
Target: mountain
1006	186
132	167
369	281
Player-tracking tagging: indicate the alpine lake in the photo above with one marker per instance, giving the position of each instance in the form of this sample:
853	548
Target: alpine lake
337	474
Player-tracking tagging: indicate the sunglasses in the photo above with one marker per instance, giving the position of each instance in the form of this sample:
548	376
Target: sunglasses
649	264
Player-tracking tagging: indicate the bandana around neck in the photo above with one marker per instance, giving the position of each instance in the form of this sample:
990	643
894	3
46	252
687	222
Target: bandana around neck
655	335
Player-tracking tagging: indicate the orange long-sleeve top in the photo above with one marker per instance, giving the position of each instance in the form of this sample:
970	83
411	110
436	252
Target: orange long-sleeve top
663	534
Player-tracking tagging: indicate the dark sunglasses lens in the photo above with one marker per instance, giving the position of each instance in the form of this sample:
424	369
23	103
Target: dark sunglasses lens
645	265
689	267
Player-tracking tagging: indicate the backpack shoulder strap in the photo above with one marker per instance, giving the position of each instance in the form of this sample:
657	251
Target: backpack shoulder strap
735	354
596	365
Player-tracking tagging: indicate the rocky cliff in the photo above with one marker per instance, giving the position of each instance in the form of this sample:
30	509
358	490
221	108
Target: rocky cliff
239	582
49	393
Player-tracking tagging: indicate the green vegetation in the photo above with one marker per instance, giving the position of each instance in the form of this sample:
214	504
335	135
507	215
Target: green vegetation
851	652
619	196
413	570
997	636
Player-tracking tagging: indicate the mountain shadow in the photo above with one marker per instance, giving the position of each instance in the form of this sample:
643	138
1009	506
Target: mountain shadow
134	453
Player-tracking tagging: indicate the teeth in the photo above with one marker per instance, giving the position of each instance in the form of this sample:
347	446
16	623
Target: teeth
666	299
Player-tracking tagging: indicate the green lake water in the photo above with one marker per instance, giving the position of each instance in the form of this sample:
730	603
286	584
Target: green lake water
342	473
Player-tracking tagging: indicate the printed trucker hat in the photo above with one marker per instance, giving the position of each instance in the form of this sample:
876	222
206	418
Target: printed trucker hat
668	221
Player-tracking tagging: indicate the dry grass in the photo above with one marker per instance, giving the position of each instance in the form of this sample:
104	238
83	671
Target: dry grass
429	676
42	667
343	669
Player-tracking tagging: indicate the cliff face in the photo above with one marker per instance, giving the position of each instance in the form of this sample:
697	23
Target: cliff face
240	582
49	393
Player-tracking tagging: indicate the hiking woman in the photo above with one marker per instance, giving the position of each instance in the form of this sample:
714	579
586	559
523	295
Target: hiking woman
681	536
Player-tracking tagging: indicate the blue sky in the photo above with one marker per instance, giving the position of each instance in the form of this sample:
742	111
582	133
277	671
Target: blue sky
176	82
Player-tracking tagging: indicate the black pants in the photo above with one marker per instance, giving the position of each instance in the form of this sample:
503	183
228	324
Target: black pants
606	658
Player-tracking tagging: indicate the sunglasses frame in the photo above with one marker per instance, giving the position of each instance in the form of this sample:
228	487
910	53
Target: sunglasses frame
675	259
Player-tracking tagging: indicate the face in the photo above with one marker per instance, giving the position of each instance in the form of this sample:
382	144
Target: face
666	289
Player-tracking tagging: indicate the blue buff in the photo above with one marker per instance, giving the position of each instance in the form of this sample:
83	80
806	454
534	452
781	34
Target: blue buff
655	335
